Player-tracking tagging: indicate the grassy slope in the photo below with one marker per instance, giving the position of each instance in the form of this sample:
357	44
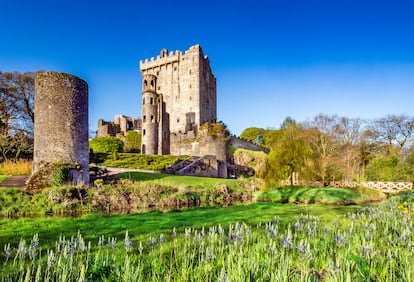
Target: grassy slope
140	226
343	196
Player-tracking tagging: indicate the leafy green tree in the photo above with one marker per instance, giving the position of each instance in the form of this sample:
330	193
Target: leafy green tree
383	169
132	142
289	155
107	145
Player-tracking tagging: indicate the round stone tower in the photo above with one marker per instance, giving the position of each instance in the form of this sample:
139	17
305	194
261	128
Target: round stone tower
61	123
150	115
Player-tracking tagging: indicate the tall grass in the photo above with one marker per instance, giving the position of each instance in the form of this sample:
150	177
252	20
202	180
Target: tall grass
374	244
15	168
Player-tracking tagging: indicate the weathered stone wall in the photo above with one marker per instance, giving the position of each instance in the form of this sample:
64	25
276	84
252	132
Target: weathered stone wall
61	122
106	128
207	166
199	143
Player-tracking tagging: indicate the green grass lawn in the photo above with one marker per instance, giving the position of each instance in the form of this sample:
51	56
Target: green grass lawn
176	180
141	225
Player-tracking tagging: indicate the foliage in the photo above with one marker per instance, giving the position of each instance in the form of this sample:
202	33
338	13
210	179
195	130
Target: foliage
388	169
217	130
339	148
132	142
3	177
16	167
254	135
107	144
146	162
133	191
61	175
307	248
290	153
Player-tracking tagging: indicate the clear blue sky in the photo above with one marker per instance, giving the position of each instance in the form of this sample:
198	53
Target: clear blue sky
272	59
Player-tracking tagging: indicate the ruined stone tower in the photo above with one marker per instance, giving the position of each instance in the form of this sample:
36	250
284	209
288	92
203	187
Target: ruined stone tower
61	123
178	96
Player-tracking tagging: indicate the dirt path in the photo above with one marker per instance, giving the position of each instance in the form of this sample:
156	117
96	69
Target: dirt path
15	181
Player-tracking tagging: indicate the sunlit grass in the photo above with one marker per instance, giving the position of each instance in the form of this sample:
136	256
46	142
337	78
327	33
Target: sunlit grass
15	168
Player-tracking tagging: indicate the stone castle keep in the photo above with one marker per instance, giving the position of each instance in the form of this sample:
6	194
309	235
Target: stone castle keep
178	96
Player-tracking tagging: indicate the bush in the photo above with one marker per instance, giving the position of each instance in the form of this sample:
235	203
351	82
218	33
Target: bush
132	142
107	145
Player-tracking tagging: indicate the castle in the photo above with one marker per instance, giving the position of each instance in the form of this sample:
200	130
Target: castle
120	125
178	97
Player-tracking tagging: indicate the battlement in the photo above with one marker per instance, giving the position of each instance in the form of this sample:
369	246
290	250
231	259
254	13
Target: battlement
162	59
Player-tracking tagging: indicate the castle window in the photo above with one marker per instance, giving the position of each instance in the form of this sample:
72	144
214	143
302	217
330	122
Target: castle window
143	132
144	118
145	83
152	118
152	101
178	120
143	101
157	73
152	83
175	68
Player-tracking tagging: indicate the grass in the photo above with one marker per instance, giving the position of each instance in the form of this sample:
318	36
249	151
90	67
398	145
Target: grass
142	225
15	168
176	180
323	195
279	243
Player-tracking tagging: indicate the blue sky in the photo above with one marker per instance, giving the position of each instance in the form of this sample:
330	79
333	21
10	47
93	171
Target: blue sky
272	59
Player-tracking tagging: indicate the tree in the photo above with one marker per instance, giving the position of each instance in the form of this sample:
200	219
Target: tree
392	130
289	155
132	142
16	114
324	144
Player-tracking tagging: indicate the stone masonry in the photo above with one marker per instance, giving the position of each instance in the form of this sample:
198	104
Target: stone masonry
178	96
61	123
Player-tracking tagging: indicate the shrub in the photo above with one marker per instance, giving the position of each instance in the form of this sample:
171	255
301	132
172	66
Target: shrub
132	142
107	144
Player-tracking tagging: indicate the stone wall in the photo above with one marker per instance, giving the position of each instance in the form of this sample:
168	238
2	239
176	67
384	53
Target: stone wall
61	122
200	143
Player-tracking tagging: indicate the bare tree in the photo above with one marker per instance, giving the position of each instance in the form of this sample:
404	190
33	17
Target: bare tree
393	130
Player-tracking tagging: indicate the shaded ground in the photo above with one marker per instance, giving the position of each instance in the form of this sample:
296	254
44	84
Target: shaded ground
15	181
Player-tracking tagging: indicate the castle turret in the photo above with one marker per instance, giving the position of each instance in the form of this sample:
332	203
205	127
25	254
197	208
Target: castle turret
150	115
